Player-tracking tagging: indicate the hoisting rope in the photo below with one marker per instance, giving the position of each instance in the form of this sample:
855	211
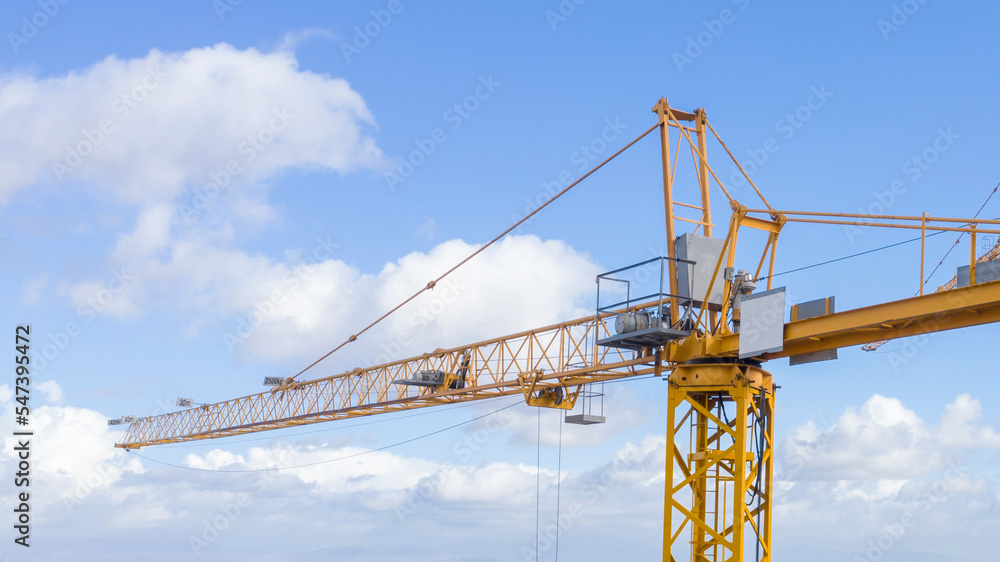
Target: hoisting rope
559	484
538	481
431	284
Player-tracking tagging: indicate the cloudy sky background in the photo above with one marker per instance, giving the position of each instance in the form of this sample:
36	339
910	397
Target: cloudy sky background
171	170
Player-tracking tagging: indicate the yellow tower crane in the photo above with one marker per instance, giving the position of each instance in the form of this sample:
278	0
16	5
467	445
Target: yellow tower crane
706	329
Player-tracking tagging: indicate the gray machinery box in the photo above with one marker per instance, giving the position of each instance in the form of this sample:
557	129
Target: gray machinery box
985	272
692	280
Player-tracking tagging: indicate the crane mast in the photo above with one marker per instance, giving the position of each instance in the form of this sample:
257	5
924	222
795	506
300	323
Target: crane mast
706	330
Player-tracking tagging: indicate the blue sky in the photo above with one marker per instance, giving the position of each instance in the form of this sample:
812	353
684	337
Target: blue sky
258	149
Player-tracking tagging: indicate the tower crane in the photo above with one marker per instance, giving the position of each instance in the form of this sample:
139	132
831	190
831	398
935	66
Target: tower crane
707	330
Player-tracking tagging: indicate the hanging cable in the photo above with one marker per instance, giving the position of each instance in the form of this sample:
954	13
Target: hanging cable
960	235
538	479
893	246
759	438
760	496
559	483
431	284
827	262
722	408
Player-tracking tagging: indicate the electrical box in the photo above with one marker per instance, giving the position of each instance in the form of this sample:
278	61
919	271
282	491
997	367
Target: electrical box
692	280
985	272
762	323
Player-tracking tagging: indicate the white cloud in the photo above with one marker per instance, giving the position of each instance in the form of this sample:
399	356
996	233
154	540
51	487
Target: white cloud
191	140
51	391
383	505
201	111
623	409
292	40
388	480
427	229
71	454
888	520
170	120
403	501
32	289
300	308
880	483
960	427
885	440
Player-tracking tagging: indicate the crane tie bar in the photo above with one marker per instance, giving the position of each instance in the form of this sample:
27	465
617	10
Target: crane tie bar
432	283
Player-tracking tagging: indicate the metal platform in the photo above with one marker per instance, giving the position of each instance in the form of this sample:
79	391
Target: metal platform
650	337
585	419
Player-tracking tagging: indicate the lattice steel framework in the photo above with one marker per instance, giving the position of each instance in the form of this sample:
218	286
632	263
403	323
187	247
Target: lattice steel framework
532	363
718	495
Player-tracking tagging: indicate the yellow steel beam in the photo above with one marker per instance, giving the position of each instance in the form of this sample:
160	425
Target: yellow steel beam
706	216
959	308
910	218
897	225
973	305
662	109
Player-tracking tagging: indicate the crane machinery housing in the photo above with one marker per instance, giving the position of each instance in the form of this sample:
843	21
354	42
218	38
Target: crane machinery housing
691	317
